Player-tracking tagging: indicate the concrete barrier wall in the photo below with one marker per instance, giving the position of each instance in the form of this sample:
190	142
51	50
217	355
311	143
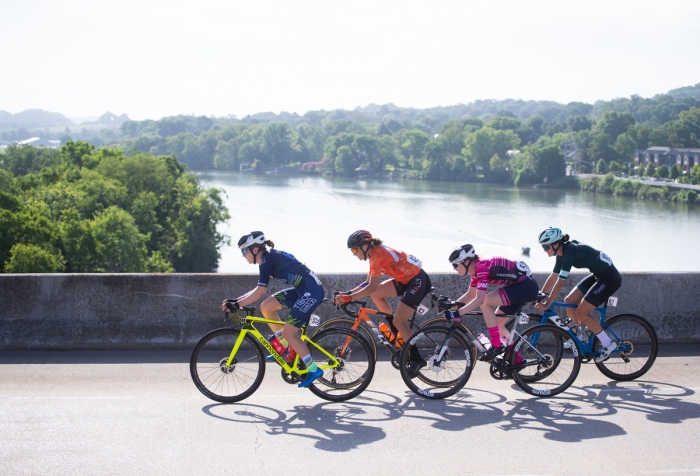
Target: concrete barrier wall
130	311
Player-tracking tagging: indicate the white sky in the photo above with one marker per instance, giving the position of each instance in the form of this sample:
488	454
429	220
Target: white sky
154	58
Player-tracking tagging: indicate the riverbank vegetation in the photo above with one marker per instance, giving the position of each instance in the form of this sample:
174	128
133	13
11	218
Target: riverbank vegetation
616	186
83	209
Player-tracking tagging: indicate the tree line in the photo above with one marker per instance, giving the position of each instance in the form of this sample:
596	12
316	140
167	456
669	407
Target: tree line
503	149
83	209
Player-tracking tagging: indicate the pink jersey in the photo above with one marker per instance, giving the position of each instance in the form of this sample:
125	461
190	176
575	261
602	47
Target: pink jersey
497	271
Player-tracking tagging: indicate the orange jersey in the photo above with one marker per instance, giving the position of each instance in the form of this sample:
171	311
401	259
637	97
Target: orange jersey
397	264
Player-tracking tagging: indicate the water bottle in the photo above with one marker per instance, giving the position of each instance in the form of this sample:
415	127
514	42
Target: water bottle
276	344
291	353
399	341
386	331
485	341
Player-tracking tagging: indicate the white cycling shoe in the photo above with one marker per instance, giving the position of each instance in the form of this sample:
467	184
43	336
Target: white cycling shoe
605	353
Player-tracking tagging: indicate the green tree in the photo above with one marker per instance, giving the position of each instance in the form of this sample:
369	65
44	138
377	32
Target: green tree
33	259
120	246
675	172
345	162
484	143
663	171
601	167
72	153
650	170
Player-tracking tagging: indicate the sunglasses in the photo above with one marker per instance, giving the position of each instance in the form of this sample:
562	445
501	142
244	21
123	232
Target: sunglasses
354	250
456	265
244	251
546	247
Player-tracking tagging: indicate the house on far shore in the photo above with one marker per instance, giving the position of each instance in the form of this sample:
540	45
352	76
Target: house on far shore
685	159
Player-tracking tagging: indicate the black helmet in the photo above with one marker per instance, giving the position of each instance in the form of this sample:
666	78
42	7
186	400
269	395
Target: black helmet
252	238
461	253
359	238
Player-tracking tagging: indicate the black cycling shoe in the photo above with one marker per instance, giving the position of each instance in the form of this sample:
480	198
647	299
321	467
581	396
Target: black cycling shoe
489	355
414	366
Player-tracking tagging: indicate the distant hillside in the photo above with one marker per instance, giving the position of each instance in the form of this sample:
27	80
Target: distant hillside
686	92
40	119
33	119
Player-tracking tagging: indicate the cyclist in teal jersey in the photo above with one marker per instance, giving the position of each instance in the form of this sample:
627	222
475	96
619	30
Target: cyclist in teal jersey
593	291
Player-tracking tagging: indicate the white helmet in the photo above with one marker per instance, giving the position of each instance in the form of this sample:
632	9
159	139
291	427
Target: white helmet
461	253
252	238
550	235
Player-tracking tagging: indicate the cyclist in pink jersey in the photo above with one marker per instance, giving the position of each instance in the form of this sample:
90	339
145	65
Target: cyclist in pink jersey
408	280
518	287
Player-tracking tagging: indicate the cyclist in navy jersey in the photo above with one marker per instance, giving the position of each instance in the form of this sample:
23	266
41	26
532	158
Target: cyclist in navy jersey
302	298
591	292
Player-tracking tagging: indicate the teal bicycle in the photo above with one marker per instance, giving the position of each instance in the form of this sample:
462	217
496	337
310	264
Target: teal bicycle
637	343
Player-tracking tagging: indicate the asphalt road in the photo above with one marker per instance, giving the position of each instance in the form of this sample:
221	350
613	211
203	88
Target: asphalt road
139	413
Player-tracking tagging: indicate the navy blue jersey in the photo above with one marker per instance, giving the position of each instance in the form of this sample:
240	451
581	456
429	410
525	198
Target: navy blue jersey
284	268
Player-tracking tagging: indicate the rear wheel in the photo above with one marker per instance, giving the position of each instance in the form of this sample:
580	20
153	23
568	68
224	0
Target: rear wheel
216	380
637	347
355	363
362	329
449	362
547	368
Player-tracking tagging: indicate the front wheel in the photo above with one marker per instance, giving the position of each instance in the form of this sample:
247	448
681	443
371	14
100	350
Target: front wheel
541	365
362	329
637	346
346	360
449	362
219	381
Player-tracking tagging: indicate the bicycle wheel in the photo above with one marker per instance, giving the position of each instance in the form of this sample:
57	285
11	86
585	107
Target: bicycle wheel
356	363
637	347
461	327
362	329
547	368
227	384
444	375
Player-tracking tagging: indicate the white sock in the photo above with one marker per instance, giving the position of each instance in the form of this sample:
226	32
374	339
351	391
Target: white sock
604	339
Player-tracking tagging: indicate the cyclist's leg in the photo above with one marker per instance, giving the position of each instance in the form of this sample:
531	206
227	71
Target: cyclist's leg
576	296
298	316
412	293
385	290
270	306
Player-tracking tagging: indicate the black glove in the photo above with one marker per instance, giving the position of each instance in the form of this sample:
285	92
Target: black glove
232	305
451	314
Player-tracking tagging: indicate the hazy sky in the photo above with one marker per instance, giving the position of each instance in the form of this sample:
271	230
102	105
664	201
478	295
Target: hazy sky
151	59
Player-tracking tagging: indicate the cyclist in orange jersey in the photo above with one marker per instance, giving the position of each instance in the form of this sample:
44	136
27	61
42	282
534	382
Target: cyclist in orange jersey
408	280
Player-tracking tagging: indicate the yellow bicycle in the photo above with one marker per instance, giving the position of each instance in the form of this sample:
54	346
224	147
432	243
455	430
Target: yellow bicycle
228	364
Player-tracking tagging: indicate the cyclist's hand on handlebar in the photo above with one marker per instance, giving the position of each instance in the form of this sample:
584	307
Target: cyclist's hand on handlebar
230	305
342	299
451	314
542	306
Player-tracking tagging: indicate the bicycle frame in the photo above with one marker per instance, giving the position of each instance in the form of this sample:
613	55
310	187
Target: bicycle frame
586	348
249	328
363	316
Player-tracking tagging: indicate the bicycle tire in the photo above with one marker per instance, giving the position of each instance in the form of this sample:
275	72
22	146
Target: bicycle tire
639	343
438	380
357	364
461	327
548	369
227	384
362	329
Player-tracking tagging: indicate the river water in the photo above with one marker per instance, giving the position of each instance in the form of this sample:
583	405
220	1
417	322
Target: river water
311	217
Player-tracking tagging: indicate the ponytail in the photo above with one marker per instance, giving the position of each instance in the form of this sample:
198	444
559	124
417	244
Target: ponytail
270	244
375	242
565	239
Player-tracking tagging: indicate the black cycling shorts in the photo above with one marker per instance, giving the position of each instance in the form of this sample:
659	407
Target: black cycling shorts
413	292
597	288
